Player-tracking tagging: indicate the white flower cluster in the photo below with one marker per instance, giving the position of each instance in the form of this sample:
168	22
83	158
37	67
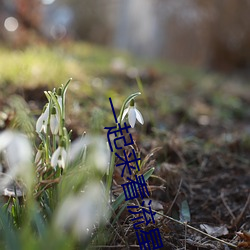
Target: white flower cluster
65	153
50	116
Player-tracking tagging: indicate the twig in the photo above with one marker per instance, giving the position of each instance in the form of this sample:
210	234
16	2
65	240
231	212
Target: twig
227	207
57	180
185	242
116	232
237	220
117	246
173	202
48	185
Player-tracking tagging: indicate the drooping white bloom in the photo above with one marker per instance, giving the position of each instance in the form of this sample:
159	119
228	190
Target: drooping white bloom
98	152
77	149
59	157
133	114
38	156
17	152
42	122
54	121
99	155
79	214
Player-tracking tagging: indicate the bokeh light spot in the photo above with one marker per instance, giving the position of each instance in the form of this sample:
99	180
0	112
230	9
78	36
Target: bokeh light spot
58	31
11	24
47	2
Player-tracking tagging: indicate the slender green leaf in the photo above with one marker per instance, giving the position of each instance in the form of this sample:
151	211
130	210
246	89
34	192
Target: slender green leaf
11	237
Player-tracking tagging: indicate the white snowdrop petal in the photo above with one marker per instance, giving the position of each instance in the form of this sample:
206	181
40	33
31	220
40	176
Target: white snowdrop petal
55	156
66	215
64	154
54	124
44	127
19	151
38	156
61	163
124	113
46	113
101	154
76	148
18	156
5	138
63	158
139	116
79	213
39	123
132	117
42	121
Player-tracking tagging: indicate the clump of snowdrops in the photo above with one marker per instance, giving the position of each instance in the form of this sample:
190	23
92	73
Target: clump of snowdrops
60	189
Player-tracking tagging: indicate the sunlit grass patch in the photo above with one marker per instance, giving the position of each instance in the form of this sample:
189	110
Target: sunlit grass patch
37	65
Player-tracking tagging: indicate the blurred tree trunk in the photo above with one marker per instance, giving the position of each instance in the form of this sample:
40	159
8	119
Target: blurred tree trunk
211	33
229	35
92	21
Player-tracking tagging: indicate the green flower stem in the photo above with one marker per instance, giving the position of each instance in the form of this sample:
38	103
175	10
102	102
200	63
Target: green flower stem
54	142
110	174
66	137
47	137
65	87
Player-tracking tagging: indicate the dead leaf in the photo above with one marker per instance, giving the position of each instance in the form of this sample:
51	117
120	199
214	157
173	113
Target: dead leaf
245	236
215	231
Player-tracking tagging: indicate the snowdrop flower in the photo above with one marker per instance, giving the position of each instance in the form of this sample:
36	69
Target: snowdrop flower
42	122
133	114
54	121
98	152
79	214
17	152
77	149
59	157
